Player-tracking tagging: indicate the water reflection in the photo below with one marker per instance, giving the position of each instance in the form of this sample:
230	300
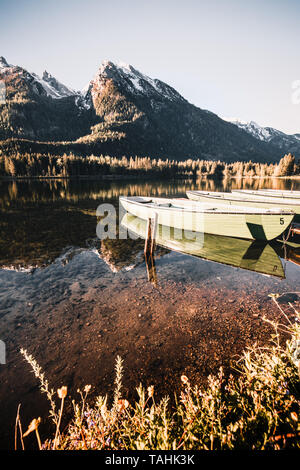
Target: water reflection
41	220
48	190
245	254
289	251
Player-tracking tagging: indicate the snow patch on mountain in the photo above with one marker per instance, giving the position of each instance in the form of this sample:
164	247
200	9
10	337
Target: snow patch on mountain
48	89
60	89
264	134
3	63
48	84
137	78
131	79
287	142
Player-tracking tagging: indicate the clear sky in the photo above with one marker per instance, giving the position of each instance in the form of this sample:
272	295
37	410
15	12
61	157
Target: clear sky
237	58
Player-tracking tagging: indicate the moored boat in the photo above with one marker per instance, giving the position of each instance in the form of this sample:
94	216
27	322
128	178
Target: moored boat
211	217
273	193
247	200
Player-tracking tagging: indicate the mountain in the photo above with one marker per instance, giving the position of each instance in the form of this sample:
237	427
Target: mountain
285	142
40	108
121	112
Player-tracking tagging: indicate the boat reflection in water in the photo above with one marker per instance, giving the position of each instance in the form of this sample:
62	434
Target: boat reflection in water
293	255
289	251
256	256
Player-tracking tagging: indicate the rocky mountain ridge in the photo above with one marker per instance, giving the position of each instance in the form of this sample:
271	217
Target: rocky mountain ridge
121	112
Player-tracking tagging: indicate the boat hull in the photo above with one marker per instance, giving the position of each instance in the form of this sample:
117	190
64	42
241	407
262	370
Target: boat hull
277	193
248	225
249	198
245	202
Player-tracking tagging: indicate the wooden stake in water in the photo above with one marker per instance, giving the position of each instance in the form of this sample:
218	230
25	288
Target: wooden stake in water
150	235
151	269
149	249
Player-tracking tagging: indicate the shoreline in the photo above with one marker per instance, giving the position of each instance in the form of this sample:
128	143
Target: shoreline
135	177
160	333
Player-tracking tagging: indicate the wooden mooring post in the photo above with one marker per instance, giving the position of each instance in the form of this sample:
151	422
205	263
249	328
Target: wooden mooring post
151	269
293	230
150	235
149	249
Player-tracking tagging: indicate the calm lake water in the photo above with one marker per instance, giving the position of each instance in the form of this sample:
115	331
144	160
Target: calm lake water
75	302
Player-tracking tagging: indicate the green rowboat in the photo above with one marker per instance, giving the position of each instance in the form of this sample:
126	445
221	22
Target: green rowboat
211	217
238	199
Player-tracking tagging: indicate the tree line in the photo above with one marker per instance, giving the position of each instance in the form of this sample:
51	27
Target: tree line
70	165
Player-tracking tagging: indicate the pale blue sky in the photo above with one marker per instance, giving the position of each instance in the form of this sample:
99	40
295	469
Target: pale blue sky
236	58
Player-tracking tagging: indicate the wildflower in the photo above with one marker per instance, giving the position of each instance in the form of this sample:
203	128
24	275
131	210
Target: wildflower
274	296
122	405
294	416
62	392
150	391
87	388
103	411
184	379
32	426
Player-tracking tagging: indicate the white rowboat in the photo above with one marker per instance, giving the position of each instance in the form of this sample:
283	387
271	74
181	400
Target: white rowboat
210	217
270	193
247	200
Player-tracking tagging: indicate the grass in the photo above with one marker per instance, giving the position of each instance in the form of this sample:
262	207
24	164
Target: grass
257	408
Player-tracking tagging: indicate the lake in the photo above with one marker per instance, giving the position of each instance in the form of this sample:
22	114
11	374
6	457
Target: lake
76	302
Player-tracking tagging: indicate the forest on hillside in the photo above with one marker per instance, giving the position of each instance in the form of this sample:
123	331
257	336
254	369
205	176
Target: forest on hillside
67	166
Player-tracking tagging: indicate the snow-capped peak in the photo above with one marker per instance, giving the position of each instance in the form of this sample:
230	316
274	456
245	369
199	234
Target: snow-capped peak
60	89
50	90
286	142
47	84
235	121
127	76
262	133
3	63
